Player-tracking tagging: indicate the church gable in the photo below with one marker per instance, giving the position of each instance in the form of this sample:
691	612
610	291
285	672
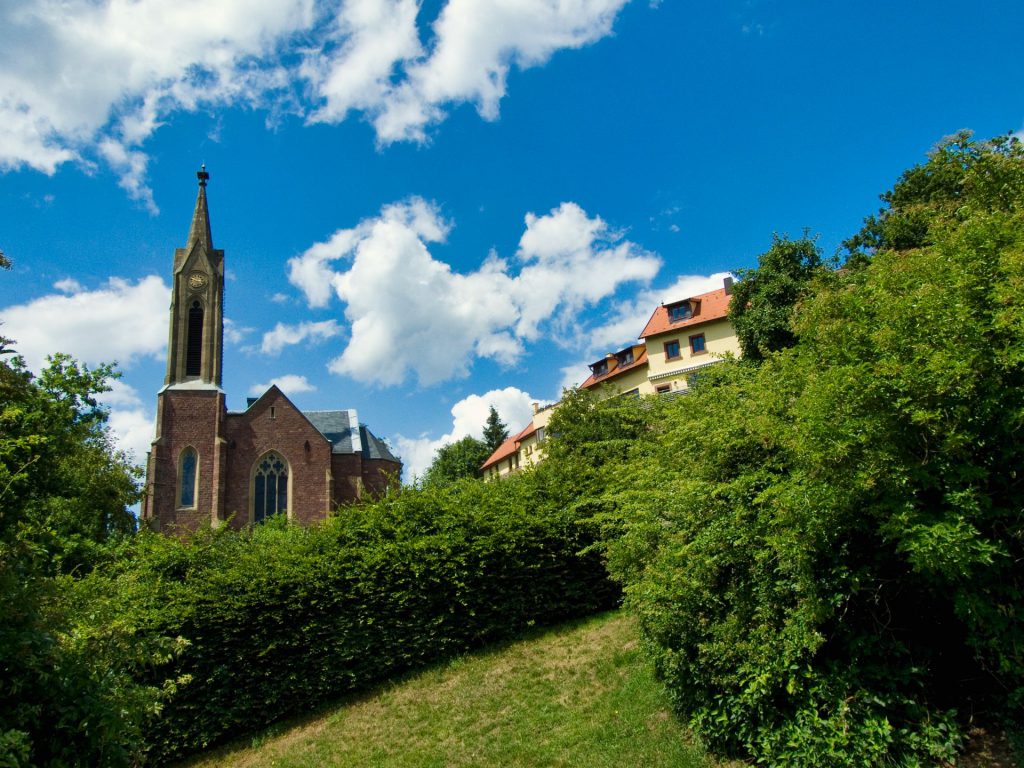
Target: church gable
274	425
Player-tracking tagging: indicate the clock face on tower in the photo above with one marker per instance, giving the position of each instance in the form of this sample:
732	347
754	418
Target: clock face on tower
196	281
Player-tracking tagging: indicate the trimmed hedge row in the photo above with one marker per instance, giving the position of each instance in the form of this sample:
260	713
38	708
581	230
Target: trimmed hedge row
279	619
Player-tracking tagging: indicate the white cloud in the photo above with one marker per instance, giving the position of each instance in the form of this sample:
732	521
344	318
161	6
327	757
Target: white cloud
411	314
131	425
79	77
468	418
285	335
290	384
235	333
86	80
133	431
68	285
476	43
120	322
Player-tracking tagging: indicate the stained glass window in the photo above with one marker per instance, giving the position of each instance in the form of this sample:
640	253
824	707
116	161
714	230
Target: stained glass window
270	490
187	478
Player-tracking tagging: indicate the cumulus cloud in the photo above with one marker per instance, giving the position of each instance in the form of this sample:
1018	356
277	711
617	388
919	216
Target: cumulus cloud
410	313
120	322
285	335
476	43
91	80
290	384
468	418
133	430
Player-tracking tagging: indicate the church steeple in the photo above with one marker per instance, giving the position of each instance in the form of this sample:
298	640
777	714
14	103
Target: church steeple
196	342
200	231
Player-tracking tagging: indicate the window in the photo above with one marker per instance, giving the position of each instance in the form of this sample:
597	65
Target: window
540	435
625	358
663	389
270	488
599	368
188	471
632	393
679	312
697	344
194	341
672	349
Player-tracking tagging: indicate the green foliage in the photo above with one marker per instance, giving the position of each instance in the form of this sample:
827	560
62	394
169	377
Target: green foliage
456	461
763	300
495	432
278	619
64	489
67	695
959	169
824	550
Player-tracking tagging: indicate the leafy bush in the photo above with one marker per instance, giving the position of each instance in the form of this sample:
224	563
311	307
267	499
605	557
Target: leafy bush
277	619
824	549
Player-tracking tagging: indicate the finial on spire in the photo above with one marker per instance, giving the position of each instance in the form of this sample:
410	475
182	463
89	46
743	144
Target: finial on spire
202	175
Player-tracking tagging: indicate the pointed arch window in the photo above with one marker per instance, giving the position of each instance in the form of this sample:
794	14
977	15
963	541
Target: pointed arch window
270	487
188	474
194	340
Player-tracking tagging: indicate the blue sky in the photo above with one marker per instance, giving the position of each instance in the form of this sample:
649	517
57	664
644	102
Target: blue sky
430	207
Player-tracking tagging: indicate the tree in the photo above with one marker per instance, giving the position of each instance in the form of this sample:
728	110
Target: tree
456	461
958	169
69	697
825	549
495	432
763	300
64	488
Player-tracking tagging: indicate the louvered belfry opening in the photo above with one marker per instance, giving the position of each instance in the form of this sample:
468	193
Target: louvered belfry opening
194	344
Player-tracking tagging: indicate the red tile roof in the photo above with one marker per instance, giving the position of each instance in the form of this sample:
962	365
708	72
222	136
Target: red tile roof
713	305
509	447
640	358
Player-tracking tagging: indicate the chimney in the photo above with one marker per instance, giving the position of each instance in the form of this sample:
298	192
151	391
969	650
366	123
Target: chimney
727	284
536	407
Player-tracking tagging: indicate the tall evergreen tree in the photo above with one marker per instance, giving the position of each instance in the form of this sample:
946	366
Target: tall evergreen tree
495	431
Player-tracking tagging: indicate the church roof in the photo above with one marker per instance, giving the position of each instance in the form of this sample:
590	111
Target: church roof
347	435
374	447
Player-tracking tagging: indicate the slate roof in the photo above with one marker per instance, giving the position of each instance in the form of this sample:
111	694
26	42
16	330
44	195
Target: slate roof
347	435
713	305
374	447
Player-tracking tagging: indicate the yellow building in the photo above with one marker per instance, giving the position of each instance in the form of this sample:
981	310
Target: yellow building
521	450
678	341
685	336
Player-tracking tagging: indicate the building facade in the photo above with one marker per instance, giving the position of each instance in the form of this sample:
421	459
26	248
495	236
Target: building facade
211	466
678	341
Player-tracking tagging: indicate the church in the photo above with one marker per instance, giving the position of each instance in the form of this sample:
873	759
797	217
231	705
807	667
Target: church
211	466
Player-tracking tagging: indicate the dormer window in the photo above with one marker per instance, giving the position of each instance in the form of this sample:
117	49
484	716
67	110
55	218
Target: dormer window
626	357
599	368
678	312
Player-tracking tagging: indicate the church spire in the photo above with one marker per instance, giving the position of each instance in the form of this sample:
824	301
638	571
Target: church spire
200	231
196	341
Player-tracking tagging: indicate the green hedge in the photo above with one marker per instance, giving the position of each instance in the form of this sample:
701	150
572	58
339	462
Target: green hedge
278	619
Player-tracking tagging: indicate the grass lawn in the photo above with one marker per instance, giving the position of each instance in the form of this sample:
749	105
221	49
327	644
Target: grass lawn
579	695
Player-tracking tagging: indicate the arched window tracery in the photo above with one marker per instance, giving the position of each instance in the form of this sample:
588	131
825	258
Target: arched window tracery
270	487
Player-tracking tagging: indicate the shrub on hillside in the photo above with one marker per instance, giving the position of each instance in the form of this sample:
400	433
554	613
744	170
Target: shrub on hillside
278	619
825	549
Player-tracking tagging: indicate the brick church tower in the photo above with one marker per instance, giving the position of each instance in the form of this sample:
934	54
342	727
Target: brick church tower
210	466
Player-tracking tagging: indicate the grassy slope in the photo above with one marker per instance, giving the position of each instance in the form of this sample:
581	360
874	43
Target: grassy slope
580	695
